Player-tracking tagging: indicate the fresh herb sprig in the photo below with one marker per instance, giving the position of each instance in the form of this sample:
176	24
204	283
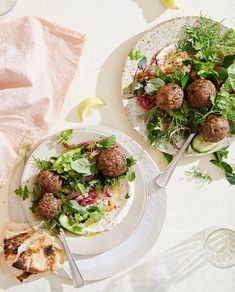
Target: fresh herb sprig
219	161
65	136
198	174
22	192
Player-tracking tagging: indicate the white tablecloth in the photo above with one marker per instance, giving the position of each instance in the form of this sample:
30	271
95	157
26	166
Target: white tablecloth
112	27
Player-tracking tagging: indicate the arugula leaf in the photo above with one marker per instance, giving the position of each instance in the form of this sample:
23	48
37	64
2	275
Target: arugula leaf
42	164
36	198
22	192
107	143
135	54
81	165
153	85
65	136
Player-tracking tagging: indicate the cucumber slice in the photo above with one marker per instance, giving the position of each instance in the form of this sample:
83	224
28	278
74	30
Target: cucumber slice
64	222
201	146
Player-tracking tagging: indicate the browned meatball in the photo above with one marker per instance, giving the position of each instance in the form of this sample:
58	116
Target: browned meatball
214	129
199	93
48	206
50	181
169	97
112	162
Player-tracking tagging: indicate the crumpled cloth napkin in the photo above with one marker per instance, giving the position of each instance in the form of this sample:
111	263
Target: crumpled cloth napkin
38	60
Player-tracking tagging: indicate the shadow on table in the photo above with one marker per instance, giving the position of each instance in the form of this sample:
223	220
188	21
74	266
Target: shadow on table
151	9
165	270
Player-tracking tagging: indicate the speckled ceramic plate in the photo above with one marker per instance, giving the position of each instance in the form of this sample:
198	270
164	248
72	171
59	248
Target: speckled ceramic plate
153	41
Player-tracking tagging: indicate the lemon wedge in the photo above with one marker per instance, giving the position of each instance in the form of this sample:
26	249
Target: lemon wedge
172	4
87	105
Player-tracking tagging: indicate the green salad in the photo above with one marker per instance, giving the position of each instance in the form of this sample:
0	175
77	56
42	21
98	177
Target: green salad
79	188
189	87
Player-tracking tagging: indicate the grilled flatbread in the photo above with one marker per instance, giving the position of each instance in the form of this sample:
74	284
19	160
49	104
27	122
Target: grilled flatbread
29	251
15	235
41	255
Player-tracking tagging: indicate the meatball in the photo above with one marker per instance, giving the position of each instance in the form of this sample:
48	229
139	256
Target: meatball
214	129
112	162
169	97
48	206
199	93
50	181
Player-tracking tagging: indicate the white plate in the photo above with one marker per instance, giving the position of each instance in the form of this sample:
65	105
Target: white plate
128	215
153	41
143	238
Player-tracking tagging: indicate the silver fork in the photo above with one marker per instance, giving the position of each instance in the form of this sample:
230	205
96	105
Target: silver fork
163	178
78	280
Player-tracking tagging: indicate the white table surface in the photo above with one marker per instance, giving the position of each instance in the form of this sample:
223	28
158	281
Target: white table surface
112	27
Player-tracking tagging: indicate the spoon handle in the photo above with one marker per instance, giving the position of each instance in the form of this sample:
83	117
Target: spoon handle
77	278
163	178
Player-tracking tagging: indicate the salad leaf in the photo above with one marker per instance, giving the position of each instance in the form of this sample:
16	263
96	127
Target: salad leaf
228	61
81	165
107	143
131	176
220	156
72	206
153	85
81	189
167	157
65	136
142	63
135	54
42	164
22	192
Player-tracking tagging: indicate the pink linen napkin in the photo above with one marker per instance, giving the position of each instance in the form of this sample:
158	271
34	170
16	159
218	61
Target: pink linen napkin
38	60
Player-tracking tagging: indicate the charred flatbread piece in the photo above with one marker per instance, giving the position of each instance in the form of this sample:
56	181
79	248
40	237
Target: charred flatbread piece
15	235
41	255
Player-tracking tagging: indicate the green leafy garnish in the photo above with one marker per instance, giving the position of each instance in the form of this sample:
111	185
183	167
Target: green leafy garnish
199	175
127	196
153	85
22	192
167	157
142	63
135	54
42	164
65	136
220	156
81	165
107	143
207	40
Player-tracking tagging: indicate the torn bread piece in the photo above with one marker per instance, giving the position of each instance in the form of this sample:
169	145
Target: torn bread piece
30	252
15	235
41	255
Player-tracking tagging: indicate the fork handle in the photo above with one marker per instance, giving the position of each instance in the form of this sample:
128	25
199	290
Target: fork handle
78	280
163	178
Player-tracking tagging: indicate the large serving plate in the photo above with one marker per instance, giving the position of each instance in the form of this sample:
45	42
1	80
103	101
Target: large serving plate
126	218
139	242
153	41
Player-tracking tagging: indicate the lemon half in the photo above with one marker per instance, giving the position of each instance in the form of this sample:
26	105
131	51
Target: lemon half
173	4
87	105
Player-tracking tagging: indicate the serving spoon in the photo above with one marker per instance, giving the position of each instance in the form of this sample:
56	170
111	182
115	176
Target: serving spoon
78	280
162	179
